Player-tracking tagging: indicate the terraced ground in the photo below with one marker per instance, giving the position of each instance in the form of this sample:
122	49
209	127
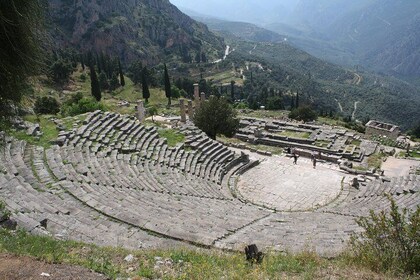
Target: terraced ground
113	181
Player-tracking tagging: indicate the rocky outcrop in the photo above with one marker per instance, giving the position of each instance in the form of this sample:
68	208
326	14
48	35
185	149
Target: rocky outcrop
131	29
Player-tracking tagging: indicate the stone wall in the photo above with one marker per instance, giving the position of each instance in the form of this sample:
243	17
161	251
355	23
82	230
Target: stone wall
375	128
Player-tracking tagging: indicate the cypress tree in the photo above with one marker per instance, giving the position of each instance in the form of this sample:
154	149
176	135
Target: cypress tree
167	86
232	90
94	84
297	99
82	61
145	87
292	103
122	81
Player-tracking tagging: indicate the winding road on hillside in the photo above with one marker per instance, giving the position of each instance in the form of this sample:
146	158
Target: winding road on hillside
355	109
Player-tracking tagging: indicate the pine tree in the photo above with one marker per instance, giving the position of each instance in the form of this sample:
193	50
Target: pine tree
94	84
145	86
167	86
232	90
122	81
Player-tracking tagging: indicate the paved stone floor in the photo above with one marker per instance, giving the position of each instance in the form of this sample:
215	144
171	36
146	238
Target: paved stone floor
279	184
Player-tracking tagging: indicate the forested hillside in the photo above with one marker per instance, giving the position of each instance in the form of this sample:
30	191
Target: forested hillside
147	29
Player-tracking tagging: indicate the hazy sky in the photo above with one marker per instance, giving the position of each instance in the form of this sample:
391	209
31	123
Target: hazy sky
255	11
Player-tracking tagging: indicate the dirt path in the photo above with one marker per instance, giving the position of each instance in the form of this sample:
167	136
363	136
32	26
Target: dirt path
339	105
359	79
26	268
355	109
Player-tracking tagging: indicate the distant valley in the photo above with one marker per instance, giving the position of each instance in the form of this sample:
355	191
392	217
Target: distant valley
380	35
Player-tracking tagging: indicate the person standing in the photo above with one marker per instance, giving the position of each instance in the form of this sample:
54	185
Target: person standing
313	160
295	157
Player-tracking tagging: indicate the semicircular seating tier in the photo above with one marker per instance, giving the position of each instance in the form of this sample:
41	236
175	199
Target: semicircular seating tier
123	170
375	195
113	181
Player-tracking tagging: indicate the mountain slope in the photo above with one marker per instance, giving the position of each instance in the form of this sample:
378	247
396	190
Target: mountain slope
147	29
379	34
243	30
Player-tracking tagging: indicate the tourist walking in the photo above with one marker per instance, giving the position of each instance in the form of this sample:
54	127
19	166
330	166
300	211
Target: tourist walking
313	158
295	157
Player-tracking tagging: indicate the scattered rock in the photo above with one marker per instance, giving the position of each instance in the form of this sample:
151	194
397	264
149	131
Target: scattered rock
130	258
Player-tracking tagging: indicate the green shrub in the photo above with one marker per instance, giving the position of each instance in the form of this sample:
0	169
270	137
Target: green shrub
390	241
303	113
4	213
82	106
46	105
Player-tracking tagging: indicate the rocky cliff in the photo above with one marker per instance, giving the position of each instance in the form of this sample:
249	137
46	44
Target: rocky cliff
151	30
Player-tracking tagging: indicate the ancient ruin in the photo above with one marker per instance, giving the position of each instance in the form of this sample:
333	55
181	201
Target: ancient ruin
113	181
382	129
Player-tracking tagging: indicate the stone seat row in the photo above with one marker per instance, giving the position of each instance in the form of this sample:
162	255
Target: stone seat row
117	172
361	205
137	138
395	186
47	209
194	219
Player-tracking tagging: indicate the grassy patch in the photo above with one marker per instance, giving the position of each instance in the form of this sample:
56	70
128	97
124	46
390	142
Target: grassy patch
172	136
295	134
179	263
264	114
322	143
271	149
356	142
375	160
48	128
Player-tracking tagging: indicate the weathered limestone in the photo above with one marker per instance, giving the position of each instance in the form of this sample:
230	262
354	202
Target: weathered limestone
196	96
190	110
140	111
182	108
202	97
113	181
382	129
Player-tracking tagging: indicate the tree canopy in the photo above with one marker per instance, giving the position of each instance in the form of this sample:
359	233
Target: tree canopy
20	25
216	116
303	113
168	92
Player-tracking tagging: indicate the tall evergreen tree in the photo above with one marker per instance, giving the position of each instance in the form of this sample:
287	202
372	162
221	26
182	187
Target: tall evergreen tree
21	23
297	99
145	86
94	84
292	103
168	92
122	81
232	90
82	61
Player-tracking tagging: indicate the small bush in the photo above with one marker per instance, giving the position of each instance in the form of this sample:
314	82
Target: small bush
46	105
4	213
389	242
81	106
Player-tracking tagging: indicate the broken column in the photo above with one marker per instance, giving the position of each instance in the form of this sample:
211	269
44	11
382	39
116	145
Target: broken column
202	97
190	110
196	96
140	111
182	108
